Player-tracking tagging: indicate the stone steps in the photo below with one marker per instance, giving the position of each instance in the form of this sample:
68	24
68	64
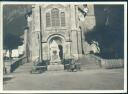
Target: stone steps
56	67
88	63
27	67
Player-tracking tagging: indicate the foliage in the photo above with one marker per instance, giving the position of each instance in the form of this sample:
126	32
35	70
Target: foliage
111	36
14	23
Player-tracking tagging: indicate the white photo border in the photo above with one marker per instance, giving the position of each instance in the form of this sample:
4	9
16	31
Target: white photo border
64	91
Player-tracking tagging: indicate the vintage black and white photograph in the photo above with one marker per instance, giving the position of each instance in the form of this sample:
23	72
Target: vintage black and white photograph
63	46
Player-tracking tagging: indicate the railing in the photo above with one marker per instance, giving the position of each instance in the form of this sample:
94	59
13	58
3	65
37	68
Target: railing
17	63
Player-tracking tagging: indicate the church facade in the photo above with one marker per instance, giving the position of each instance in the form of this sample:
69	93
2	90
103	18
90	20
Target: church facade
54	31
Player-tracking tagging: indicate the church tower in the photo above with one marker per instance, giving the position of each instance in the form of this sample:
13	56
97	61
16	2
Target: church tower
55	32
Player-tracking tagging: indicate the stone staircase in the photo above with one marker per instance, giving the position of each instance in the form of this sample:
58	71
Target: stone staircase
89	62
25	68
56	67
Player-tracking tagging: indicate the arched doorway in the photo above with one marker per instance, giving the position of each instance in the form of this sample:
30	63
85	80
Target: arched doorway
56	48
61	51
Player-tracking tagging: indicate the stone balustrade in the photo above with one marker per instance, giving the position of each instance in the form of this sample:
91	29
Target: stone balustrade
11	65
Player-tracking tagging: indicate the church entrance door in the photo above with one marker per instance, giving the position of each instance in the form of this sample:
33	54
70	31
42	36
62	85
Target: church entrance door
61	51
56	50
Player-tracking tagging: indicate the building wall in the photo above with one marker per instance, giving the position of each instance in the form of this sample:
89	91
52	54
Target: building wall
87	26
70	35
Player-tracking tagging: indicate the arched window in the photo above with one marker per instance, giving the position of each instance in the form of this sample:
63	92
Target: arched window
62	18
55	17
48	20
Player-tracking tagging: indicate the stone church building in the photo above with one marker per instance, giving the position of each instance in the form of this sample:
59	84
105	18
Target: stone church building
55	31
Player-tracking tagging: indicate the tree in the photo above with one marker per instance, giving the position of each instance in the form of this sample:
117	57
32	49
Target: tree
110	36
14	23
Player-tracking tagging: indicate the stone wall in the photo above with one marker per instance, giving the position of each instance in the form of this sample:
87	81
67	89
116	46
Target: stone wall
112	63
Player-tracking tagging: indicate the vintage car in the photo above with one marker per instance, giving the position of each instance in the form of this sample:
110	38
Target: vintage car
39	66
71	65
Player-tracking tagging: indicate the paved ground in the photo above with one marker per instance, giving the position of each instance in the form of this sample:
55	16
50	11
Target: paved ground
99	79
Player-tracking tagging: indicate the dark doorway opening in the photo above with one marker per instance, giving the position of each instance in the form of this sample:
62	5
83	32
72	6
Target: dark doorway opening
61	51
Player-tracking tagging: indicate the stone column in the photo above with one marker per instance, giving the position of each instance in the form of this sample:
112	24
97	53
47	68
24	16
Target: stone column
36	14
67	50
45	55
73	17
37	47
79	34
74	44
79	43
